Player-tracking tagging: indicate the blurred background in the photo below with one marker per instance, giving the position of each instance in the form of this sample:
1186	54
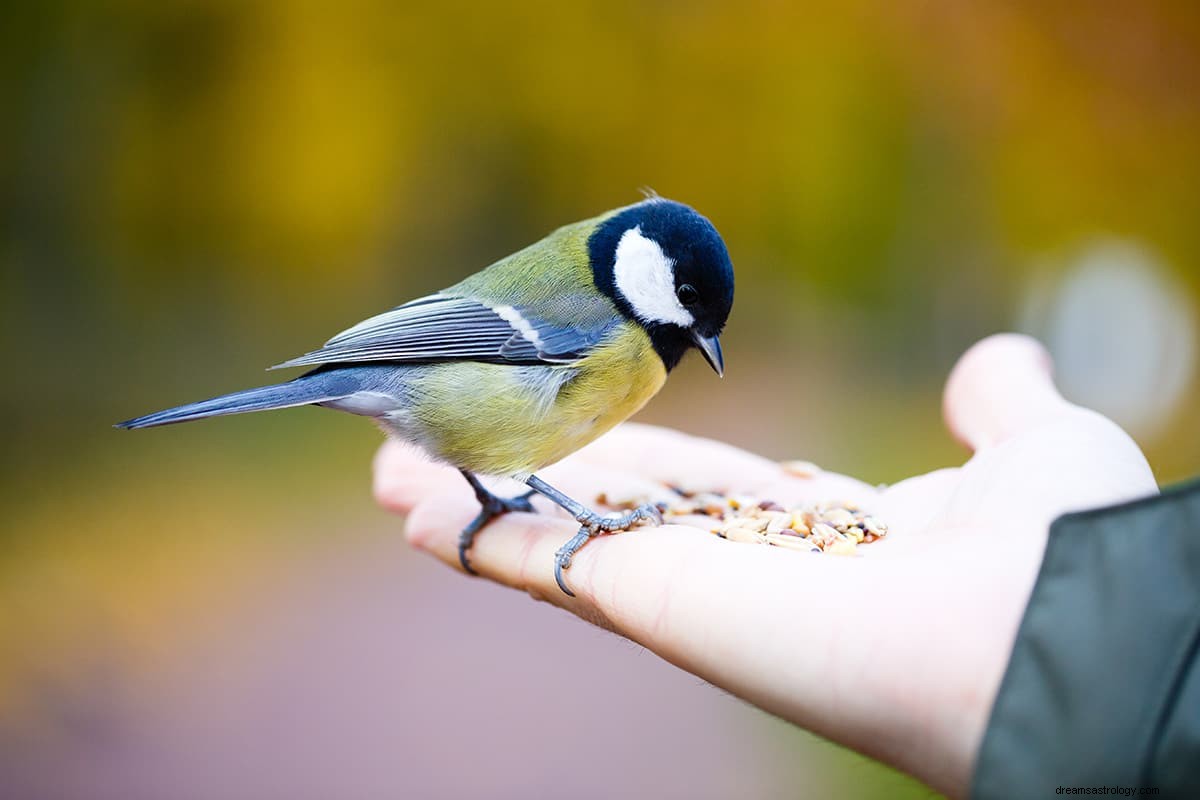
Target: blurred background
191	191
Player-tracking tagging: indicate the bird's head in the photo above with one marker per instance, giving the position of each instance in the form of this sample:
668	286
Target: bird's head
666	268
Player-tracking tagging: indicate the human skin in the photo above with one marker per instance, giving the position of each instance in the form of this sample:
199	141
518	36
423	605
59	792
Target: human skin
896	653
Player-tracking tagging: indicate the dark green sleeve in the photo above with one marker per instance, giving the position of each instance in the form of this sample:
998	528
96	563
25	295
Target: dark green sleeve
1103	685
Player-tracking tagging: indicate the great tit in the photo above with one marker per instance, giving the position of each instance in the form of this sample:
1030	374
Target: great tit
527	360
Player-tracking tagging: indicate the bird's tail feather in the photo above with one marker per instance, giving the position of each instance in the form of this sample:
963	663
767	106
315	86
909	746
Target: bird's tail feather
305	390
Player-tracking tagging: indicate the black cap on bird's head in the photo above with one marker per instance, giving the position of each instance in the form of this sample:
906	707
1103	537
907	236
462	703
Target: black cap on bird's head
666	267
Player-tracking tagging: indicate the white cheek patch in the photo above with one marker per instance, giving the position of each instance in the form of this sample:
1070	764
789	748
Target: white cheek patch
645	277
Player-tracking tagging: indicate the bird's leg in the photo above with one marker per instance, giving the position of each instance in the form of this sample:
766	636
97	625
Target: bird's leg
591	524
491	507
590	519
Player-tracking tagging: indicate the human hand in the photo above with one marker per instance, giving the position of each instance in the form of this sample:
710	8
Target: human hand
897	653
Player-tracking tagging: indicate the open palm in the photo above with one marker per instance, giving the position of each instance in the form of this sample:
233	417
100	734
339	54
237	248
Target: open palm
897	653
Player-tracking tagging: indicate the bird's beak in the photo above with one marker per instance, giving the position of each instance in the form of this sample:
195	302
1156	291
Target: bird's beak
710	347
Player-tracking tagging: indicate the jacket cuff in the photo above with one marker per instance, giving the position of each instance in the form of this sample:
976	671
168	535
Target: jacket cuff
1097	685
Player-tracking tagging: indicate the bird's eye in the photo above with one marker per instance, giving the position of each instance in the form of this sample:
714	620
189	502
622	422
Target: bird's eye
687	294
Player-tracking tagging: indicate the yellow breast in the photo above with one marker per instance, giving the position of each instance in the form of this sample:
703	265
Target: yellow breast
611	385
508	420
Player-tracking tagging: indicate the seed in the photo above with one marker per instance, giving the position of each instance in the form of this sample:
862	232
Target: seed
740	501
625	501
839	518
683	508
824	534
738	534
756	523
801	469
800	521
842	547
792	543
779	523
836	528
872	525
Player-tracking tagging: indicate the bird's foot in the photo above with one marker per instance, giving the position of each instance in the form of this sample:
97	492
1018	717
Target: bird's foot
592	524
491	507
610	523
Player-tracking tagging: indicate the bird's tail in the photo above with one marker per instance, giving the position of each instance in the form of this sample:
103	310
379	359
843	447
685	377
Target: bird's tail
317	387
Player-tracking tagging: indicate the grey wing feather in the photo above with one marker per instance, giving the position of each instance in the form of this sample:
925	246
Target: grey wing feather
447	328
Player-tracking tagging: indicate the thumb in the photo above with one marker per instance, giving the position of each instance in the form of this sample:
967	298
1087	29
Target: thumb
1000	388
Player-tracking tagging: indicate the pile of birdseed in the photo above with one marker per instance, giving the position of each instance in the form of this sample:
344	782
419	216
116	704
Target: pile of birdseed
836	528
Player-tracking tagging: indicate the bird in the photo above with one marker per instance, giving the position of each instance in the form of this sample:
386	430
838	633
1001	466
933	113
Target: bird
527	360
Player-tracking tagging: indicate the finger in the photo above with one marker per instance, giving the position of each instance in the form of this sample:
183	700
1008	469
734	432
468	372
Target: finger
908	507
680	460
822	487
437	520
500	548
518	550
1000	388
596	485
696	464
403	476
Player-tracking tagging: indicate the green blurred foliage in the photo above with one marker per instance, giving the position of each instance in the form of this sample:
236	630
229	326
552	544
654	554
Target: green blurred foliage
193	190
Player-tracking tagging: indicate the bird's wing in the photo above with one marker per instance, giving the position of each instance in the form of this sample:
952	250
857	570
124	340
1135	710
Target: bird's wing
444	327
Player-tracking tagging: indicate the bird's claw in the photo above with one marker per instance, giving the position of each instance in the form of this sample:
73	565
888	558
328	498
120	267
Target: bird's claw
490	508
562	558
593	524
